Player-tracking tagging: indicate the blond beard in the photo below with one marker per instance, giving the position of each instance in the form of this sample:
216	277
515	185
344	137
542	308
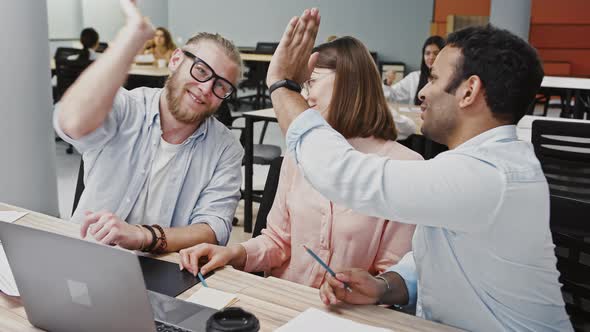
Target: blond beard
173	97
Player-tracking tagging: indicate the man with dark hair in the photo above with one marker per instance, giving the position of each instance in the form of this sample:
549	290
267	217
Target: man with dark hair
483	258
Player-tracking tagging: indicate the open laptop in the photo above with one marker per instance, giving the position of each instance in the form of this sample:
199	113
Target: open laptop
69	284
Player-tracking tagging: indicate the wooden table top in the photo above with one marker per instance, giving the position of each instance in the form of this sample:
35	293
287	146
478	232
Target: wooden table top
273	301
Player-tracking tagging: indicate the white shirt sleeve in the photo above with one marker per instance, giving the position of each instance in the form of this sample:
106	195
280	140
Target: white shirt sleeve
404	90
451	191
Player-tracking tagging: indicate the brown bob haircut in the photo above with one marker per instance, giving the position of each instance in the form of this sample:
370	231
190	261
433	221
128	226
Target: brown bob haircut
358	107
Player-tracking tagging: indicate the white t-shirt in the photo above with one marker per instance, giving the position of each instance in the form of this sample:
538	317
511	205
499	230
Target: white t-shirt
147	207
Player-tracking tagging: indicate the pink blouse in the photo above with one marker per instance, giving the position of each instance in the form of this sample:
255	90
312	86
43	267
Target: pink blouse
342	238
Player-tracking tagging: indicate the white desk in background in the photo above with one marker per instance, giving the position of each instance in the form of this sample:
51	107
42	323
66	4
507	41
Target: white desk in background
572	86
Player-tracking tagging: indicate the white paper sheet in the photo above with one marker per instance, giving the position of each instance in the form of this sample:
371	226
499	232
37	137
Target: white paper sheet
213	298
7	283
11	216
316	320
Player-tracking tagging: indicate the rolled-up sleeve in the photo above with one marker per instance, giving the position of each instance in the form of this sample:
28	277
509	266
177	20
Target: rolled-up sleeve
101	135
217	203
406	268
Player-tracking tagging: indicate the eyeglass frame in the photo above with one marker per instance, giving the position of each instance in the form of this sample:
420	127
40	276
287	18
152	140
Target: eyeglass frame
306	85
214	75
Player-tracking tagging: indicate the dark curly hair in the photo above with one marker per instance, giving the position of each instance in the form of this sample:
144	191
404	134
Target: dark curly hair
508	67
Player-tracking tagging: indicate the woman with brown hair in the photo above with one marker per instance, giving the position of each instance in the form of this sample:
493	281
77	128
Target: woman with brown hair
346	89
161	46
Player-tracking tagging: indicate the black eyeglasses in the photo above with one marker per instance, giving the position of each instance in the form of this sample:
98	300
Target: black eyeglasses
202	72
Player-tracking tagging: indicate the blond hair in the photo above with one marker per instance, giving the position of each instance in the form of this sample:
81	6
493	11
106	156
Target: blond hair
226	45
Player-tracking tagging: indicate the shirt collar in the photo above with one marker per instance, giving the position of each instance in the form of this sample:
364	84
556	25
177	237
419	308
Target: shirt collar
501	133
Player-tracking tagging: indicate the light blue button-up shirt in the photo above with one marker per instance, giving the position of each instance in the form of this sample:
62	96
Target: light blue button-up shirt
206	180
483	257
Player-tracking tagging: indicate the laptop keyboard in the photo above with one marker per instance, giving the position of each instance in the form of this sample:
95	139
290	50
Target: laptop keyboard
163	327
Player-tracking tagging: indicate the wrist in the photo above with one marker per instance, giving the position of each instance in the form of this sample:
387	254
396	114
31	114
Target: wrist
383	288
238	256
142	238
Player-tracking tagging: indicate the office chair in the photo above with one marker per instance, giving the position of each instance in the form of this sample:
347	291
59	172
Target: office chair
255	76
570	229
67	71
563	148
268	195
263	154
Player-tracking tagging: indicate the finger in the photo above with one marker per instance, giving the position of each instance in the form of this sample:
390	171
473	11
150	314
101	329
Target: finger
129	8
323	291
110	238
311	29
98	226
286	39
103	227
334	282
90	219
194	262
300	28
344	276
183	259
329	294
214	263
187	264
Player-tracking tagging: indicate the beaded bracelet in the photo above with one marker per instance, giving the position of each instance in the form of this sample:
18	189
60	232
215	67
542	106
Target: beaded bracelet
154	238
163	244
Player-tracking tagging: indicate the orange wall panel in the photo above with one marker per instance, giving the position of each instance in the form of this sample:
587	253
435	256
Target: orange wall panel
560	11
441	29
443	8
560	36
557	68
580	66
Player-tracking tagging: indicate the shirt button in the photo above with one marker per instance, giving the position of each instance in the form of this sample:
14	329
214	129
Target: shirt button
128	200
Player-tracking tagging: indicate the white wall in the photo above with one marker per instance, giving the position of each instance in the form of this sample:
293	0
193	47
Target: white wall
68	17
104	16
395	29
27	147
65	18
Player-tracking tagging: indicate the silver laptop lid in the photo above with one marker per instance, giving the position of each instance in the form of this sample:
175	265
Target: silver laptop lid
62	292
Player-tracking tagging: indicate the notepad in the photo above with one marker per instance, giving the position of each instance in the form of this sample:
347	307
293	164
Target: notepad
213	298
7	283
316	320
11	216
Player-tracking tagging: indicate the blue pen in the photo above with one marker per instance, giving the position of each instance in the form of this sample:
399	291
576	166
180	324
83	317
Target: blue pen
202	279
330	271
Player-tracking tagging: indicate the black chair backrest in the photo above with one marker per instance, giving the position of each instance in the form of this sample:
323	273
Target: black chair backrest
563	148
68	70
266	47
62	53
79	186
570	228
268	196
102	47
